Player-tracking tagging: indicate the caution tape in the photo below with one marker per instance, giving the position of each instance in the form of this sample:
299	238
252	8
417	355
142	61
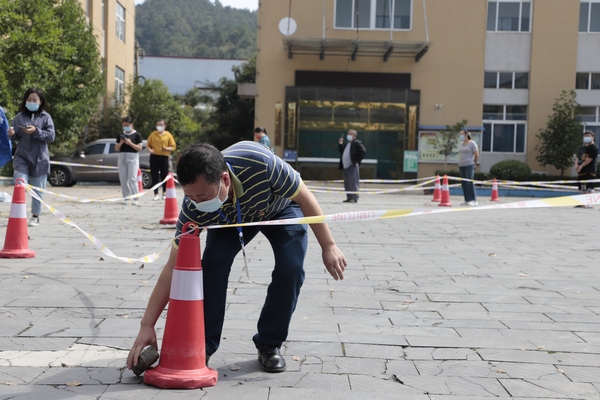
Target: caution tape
325	189
100	200
70	164
355	216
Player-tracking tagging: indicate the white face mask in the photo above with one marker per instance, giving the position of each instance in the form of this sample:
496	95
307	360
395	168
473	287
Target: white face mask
160	128
350	138
461	138
587	139
211	205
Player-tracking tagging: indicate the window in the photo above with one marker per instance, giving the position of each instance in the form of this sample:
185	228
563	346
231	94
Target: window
97	148
119	84
373	14
506	80
509	16
504	128
120	22
589	16
588	81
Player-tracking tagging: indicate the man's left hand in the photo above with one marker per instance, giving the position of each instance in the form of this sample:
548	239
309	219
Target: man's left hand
335	262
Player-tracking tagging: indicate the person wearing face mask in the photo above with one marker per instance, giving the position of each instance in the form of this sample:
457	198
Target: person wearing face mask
160	145
586	165
129	144
32	129
244	183
351	155
468	153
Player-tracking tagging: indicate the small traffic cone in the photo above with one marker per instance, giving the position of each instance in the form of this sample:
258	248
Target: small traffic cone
445	193
15	242
139	181
171	208
437	191
182	362
495	196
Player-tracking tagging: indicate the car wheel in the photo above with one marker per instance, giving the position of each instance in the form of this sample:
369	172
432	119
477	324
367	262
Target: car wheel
146	180
59	177
72	183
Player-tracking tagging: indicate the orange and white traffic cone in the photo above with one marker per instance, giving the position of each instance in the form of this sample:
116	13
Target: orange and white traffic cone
445	193
182	362
139	181
437	191
495	196
171	208
16	240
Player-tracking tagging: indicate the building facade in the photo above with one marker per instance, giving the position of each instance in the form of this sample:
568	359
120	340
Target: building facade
399	71
114	26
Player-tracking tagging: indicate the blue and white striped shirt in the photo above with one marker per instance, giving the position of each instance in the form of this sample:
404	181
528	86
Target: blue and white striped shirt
263	184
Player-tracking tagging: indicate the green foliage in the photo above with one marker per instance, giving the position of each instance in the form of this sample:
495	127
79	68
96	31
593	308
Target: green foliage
151	101
510	170
232	118
195	28
106	123
447	140
48	44
561	137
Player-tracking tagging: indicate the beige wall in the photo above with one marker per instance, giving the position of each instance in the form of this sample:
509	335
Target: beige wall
114	51
553	64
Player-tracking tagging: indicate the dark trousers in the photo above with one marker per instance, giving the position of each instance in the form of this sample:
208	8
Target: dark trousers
352	181
159	165
468	187
289	244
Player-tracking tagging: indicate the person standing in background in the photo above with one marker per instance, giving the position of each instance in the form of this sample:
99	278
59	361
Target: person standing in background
160	145
351	155
586	165
33	129
260	135
468	156
129	144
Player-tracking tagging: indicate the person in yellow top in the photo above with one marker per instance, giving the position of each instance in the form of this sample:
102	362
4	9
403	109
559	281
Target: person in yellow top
160	145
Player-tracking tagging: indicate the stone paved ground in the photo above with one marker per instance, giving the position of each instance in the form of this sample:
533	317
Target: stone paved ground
462	305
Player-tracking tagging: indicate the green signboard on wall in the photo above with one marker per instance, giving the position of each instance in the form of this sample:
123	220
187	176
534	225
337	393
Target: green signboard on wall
411	160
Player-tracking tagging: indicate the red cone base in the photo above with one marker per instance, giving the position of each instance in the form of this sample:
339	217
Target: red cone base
16	240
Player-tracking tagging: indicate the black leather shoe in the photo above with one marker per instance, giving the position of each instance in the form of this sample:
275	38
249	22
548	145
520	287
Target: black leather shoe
270	359
350	201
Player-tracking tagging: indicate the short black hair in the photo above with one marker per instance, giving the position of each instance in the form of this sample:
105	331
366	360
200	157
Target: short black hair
127	119
40	94
260	129
200	159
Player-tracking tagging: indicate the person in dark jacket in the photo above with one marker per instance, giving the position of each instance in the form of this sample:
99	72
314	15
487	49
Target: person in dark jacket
32	129
351	155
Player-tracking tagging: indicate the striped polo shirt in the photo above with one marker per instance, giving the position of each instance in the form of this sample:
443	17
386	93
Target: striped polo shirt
263	184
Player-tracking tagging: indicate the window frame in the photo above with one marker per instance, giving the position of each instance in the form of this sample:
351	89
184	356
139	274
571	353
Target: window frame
119	84
513	79
372	25
488	135
589	81
120	22
496	4
588	23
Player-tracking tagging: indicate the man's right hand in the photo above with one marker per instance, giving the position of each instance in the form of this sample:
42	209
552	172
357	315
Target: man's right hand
146	336
341	141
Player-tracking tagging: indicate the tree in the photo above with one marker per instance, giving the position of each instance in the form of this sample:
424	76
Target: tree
232	118
48	44
447	140
561	137
151	101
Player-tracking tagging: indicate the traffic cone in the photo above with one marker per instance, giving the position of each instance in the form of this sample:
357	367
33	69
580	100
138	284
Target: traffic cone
139	181
171	208
495	196
437	191
445	193
15	242
182	362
